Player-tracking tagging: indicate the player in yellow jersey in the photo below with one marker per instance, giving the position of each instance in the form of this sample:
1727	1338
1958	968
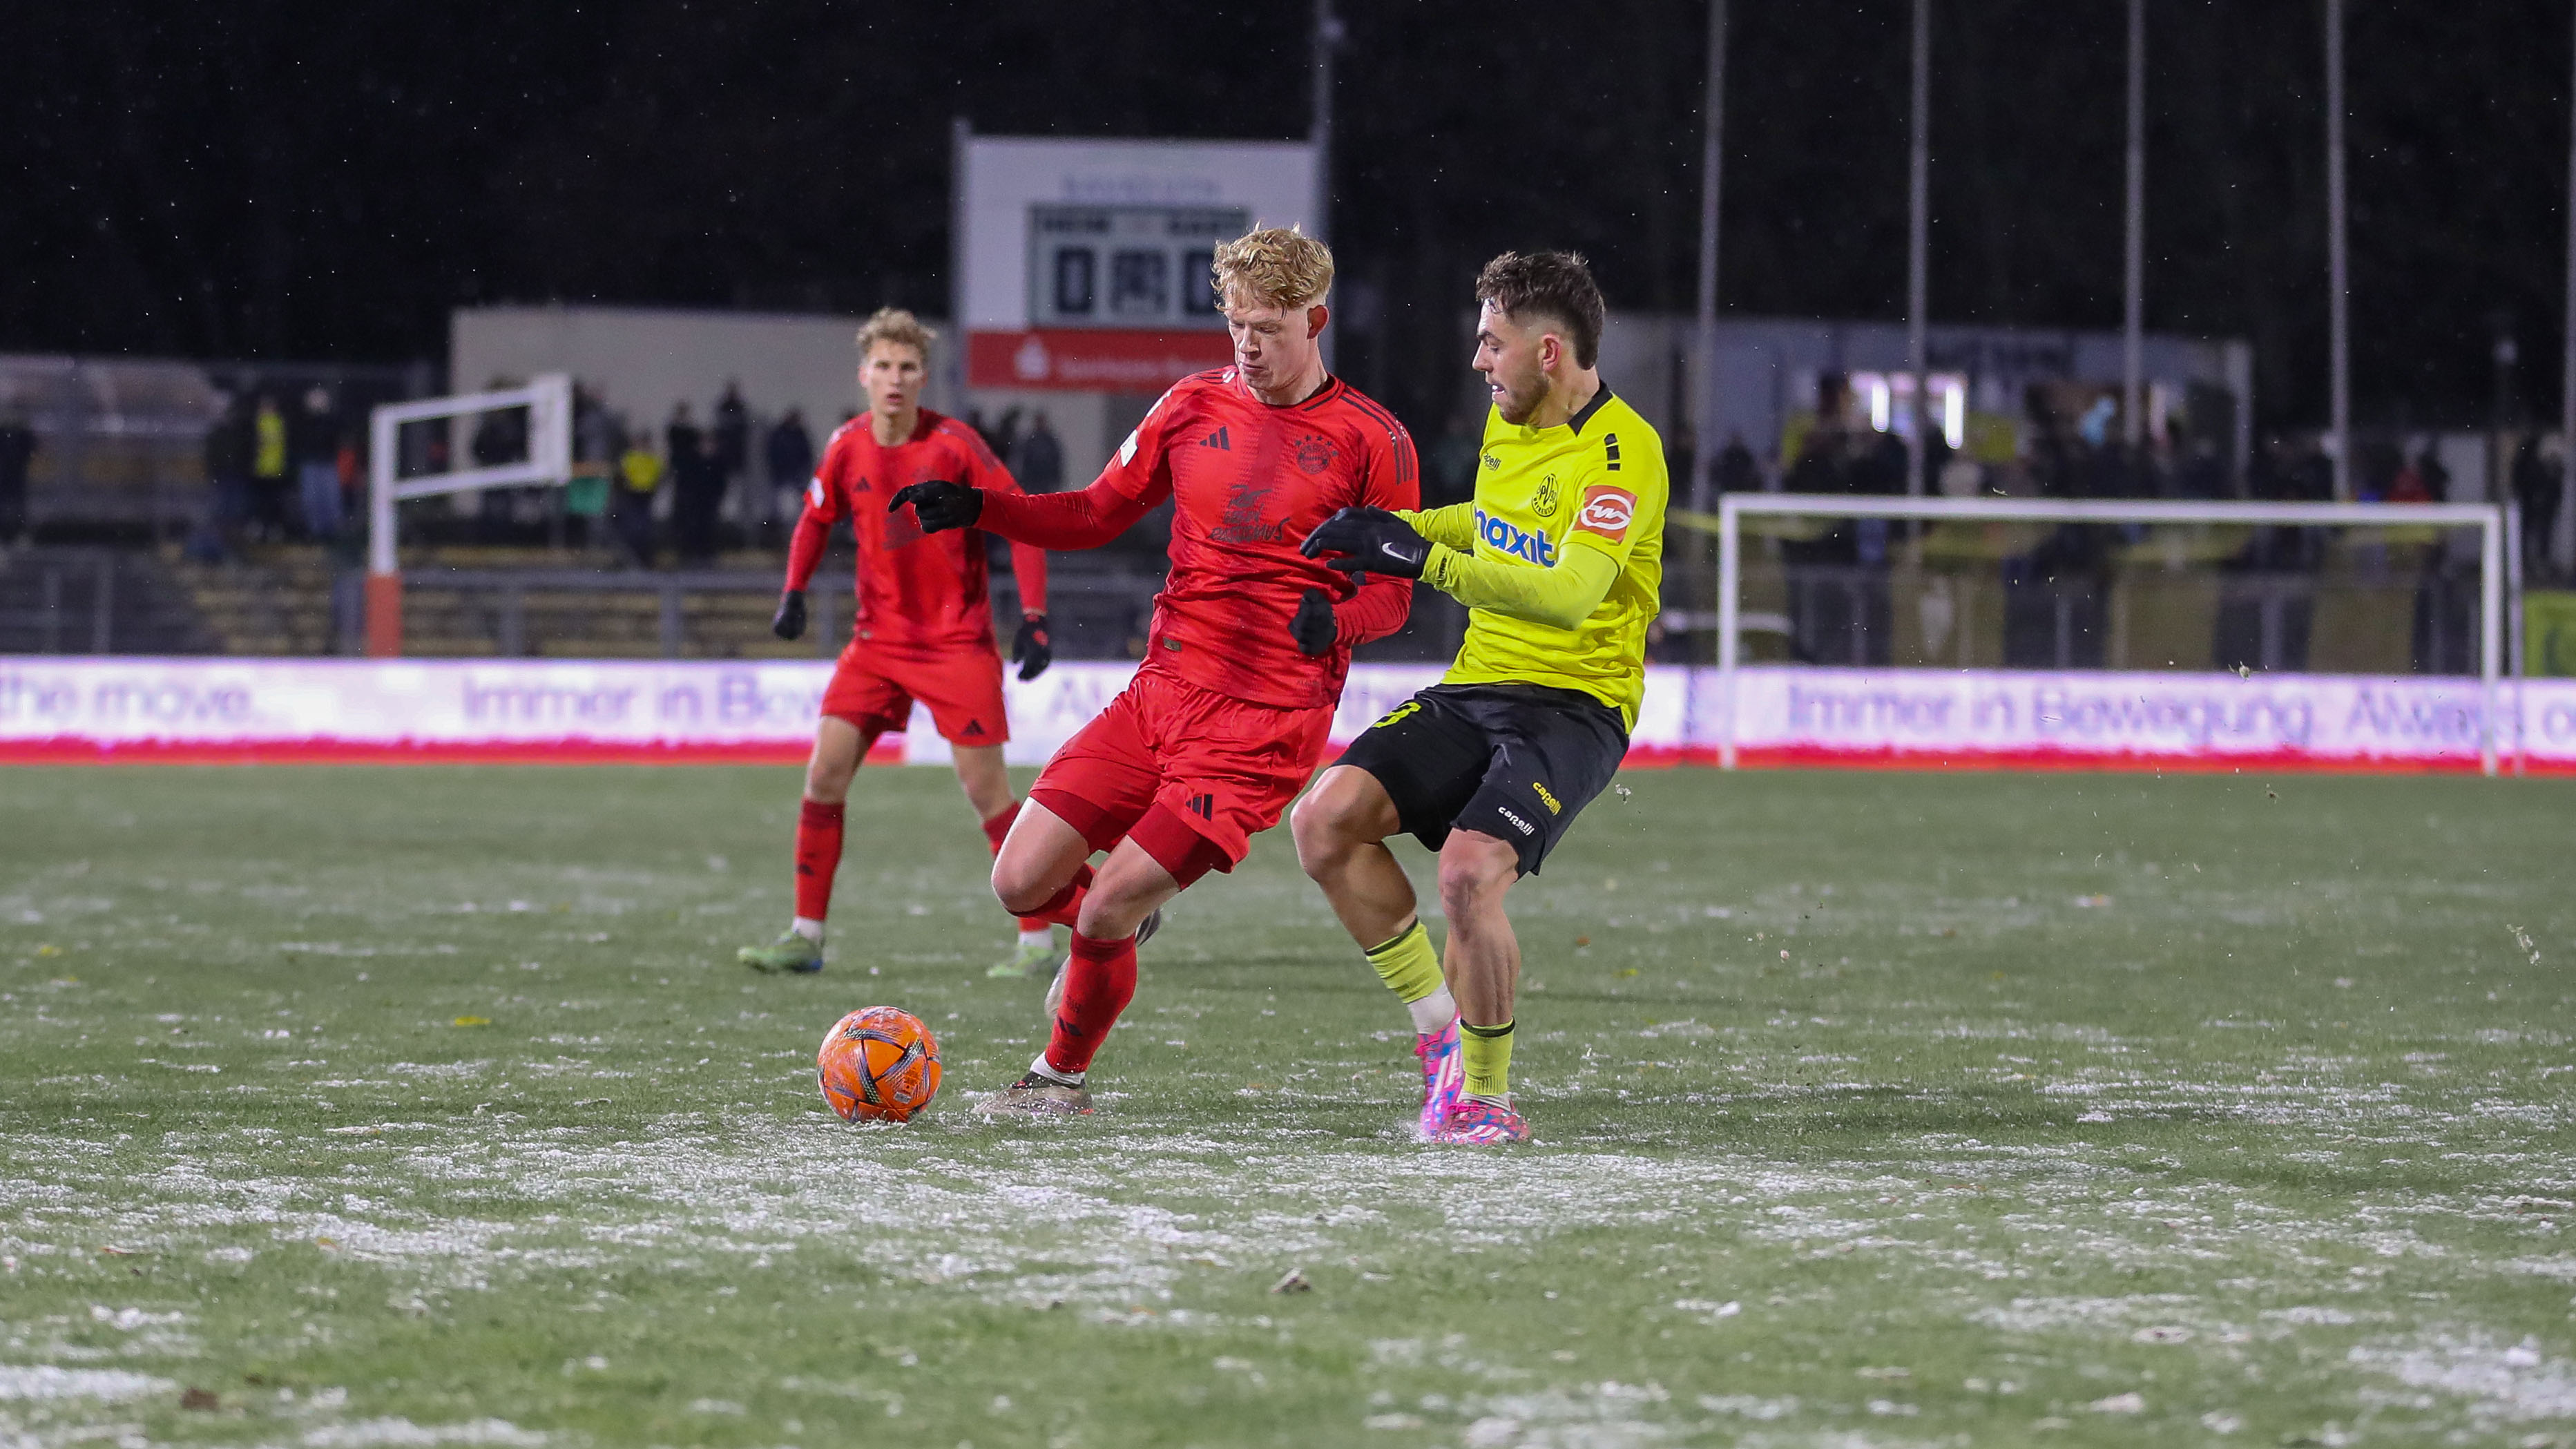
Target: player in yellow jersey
1558	558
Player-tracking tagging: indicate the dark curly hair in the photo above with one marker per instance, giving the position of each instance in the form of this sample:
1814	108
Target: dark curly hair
1554	285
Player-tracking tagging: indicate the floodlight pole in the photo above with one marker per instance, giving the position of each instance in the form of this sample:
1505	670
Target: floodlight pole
2134	318
1328	38
1712	161
2566	557
2338	256
1918	243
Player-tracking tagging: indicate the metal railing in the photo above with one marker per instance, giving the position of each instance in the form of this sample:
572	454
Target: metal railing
2498	591
1848	615
1080	603
71	601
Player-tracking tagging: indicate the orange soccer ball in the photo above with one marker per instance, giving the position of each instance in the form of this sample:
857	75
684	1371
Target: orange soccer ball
878	1064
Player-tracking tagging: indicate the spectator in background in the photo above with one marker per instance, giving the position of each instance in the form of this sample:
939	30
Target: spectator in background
500	437
17	448
268	462
732	436
1736	470
789	451
2437	479
317	471
594	429
2535	487
1038	462
227	458
696	486
630	505
349	466
2408	485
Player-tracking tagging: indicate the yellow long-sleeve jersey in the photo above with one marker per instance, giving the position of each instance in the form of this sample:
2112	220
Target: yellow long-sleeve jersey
1560	555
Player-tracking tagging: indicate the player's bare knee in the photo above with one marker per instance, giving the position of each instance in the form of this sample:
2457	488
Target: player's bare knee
1323	840
1020	888
1109	916
1475	871
1333	818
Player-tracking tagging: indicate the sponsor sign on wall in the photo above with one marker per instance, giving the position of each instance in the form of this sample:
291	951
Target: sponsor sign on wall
562	711
2094	718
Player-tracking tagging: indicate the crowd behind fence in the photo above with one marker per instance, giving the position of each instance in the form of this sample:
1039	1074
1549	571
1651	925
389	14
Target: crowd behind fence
236	462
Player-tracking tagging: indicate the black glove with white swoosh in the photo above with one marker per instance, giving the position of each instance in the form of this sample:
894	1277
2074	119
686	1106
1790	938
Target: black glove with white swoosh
1370	541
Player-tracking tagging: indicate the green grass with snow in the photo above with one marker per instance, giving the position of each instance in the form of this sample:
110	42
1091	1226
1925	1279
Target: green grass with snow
1874	1109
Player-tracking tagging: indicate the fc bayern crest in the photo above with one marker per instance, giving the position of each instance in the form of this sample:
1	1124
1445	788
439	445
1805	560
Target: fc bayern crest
1314	454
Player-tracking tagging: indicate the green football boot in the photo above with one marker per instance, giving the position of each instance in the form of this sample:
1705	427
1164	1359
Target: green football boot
1029	960
789	954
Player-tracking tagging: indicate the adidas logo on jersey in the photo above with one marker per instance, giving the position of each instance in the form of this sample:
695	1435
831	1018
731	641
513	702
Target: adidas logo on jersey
1217	439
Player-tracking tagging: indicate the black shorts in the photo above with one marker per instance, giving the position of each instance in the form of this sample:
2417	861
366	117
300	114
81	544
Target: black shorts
1514	761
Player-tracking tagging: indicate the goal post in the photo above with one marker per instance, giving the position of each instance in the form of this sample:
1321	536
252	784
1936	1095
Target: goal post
548	401
2496	577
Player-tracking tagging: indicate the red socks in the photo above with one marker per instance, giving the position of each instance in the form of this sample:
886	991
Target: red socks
995	830
818	854
1099	983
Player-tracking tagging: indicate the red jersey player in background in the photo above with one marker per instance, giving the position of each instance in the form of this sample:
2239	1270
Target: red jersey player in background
1226	720
924	629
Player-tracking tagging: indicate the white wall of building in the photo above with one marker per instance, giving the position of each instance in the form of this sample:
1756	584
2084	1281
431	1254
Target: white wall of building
642	360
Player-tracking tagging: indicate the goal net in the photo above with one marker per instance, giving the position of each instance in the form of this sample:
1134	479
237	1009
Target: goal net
2097	631
414	449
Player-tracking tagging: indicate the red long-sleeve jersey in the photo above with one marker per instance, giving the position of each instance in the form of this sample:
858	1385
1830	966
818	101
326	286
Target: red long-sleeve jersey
916	590
1251	481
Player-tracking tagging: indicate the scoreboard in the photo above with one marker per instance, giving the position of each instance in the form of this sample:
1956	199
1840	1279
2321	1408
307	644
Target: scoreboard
1083	265
1127	266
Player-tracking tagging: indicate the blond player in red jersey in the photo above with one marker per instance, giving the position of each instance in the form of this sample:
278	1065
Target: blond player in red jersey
924	628
1226	720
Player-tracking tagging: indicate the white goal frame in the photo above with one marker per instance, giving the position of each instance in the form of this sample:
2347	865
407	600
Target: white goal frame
548	399
2490	519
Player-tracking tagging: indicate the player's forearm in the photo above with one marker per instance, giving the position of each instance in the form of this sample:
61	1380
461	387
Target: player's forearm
1029	569
1451	527
1561	597
1086	519
805	549
1377	610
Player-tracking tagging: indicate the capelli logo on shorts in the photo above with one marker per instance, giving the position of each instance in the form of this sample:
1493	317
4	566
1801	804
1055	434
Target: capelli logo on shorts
1523	826
1554	805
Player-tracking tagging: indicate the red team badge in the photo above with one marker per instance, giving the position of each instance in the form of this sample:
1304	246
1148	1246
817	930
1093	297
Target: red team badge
1606	511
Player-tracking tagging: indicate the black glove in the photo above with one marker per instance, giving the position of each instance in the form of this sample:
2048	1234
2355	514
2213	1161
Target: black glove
1029	647
941	505
1313	626
1371	541
789	621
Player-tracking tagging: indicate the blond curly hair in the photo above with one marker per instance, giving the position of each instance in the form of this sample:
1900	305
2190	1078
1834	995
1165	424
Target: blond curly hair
1274	266
894	324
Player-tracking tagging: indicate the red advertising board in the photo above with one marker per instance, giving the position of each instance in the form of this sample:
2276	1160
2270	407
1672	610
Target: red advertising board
1069	359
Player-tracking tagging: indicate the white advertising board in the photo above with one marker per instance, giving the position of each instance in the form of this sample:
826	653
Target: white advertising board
551	711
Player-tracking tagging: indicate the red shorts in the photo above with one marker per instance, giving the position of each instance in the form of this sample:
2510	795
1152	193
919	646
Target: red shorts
1204	772
874	687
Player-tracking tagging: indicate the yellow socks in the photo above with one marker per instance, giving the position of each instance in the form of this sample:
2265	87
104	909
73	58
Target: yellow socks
1486	1054
1411	969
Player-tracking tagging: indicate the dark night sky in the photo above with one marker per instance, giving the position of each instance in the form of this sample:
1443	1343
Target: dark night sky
296	180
